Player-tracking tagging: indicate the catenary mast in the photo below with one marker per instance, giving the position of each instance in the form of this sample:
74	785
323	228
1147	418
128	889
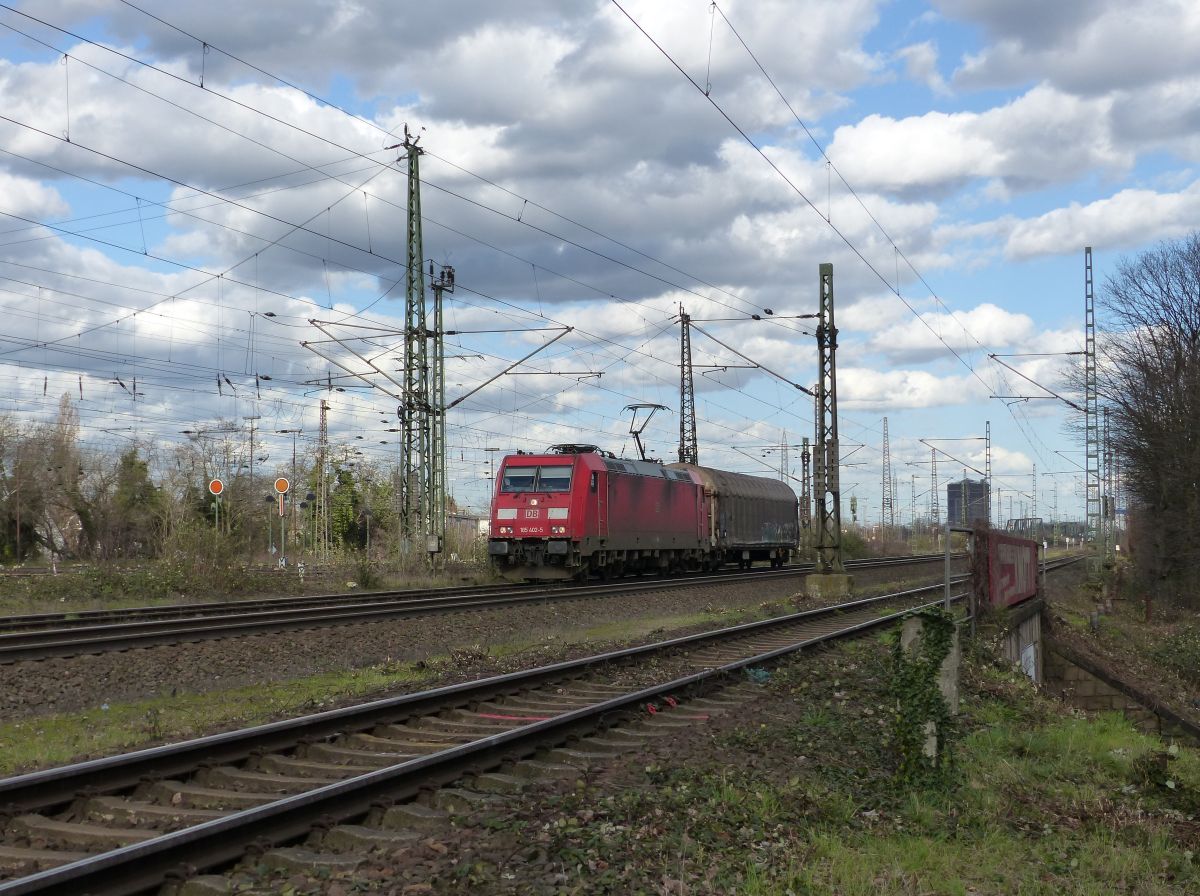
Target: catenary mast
689	449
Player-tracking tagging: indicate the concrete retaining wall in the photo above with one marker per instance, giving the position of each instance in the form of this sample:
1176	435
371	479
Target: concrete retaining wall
1022	644
1082	684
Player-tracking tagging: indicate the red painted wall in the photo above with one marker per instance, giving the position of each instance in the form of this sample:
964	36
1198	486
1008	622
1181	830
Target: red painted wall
1012	569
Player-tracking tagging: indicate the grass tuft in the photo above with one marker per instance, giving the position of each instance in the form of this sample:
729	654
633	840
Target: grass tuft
54	740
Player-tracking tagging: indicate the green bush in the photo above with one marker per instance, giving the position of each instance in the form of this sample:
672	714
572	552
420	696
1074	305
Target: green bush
854	546
367	574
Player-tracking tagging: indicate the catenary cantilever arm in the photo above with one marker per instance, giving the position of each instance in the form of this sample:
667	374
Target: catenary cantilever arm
463	398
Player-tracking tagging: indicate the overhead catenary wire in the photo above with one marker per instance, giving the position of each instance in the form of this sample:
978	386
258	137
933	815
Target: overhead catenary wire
306	132
894	289
209	193
425	182
247	107
551	212
326	102
462	285
792	185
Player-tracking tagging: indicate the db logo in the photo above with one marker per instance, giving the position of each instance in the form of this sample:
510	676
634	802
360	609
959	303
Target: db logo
531	514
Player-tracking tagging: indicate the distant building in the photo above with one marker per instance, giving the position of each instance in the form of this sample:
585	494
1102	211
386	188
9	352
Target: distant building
968	501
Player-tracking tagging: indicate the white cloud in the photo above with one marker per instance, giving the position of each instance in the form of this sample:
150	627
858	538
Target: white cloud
1125	220
1165	115
920	65
1041	138
1087	50
861	388
572	107
464	74
872	314
1007	461
20	196
914	339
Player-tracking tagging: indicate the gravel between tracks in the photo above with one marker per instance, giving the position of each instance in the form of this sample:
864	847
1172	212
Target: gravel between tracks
66	684
37	688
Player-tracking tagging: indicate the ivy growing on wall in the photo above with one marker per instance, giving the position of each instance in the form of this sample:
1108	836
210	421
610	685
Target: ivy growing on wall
921	712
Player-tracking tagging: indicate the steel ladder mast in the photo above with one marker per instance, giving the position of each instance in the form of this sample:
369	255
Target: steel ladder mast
827	490
987	466
415	437
422	410
887	516
321	516
1091	406
1033	505
935	507
806	485
912	513
1114	478
435	510
689	449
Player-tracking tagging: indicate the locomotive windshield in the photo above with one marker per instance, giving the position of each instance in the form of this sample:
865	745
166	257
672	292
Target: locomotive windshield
536	479
554	479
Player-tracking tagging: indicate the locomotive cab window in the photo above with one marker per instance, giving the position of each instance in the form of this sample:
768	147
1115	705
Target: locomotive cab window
536	479
554	479
518	479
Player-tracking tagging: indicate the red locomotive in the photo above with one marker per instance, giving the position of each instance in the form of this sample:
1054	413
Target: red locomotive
577	511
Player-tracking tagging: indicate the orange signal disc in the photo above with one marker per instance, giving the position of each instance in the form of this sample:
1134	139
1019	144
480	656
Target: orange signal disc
282	485
216	486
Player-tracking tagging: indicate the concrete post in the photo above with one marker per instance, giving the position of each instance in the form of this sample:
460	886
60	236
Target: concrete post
947	602
910	639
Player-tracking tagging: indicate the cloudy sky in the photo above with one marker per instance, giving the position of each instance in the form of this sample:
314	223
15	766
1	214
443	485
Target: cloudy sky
186	188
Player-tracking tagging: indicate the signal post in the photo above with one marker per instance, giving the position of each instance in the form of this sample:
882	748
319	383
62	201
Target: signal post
281	489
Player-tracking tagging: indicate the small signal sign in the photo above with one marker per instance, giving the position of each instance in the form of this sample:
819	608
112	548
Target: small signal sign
216	486
282	485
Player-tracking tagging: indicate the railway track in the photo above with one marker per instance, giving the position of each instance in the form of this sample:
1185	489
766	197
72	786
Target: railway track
60	635
348	780
379	772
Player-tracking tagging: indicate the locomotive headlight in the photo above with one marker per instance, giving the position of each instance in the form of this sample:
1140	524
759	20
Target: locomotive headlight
558	530
506	530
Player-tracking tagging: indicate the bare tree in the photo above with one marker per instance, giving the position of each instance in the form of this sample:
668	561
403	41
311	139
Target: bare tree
21	493
70	503
1148	371
59	500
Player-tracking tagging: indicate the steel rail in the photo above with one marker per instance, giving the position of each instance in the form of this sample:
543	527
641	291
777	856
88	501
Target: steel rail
83	618
54	787
139	867
143	866
90	639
